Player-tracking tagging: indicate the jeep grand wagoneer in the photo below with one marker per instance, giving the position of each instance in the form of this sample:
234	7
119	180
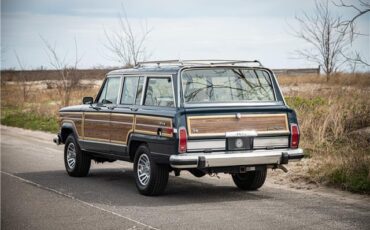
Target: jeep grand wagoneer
202	116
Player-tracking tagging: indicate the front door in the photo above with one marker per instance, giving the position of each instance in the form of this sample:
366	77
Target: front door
97	125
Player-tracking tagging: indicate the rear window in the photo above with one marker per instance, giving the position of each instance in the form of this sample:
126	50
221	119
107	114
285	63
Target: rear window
227	85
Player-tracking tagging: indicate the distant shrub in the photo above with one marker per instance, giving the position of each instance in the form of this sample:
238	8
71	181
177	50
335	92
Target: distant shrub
30	120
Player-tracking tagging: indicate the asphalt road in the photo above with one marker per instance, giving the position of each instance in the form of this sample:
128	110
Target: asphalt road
36	193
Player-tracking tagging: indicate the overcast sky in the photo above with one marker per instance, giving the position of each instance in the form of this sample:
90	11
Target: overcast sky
186	29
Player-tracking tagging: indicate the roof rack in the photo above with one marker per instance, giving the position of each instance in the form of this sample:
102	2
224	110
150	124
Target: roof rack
198	62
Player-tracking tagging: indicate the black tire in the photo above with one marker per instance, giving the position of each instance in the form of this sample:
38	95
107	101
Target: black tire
252	180
158	174
82	163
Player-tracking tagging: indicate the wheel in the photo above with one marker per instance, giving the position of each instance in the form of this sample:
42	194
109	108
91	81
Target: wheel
76	161
252	180
151	178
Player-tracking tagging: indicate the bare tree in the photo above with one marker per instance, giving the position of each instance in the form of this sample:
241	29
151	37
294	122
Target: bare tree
349	26
127	44
326	42
68	79
23	81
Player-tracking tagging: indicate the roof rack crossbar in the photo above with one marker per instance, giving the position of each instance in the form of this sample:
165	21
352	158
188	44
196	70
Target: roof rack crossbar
198	62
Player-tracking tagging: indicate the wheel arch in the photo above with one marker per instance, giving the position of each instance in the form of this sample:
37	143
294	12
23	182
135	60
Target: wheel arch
66	129
134	143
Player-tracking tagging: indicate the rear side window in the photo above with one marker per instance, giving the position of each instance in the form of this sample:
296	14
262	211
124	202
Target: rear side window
109	93
159	92
129	90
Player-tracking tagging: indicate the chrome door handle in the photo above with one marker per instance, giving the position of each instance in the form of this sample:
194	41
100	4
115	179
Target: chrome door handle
111	107
134	109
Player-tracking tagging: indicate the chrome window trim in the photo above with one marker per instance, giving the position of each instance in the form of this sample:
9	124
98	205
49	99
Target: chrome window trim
189	105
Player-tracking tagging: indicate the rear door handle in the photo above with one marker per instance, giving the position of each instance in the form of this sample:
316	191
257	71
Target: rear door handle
111	107
134	109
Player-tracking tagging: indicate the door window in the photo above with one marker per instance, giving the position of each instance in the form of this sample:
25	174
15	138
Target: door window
109	93
159	92
139	91
129	90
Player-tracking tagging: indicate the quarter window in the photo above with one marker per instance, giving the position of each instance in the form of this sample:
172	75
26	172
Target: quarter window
159	92
109	93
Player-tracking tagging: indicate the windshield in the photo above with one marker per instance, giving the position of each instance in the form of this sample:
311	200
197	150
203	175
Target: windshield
227	85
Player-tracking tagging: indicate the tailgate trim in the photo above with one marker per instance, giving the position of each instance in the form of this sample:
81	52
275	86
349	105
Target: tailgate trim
193	131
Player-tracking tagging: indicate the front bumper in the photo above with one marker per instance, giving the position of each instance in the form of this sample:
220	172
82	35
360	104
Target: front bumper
57	140
224	159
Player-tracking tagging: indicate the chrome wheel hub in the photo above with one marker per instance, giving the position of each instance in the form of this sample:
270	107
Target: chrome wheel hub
143	169
71	155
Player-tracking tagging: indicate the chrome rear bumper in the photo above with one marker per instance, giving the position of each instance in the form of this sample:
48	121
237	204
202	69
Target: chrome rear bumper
224	159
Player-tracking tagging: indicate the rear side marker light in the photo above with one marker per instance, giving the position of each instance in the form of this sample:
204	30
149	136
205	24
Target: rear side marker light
168	131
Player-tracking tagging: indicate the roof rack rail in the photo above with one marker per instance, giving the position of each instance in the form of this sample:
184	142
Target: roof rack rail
198	62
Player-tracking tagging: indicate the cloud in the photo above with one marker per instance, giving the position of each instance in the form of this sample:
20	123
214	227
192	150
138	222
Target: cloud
180	29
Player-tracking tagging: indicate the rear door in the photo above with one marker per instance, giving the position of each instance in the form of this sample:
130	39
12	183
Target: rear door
123	115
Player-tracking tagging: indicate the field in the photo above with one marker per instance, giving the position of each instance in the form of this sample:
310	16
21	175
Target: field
334	119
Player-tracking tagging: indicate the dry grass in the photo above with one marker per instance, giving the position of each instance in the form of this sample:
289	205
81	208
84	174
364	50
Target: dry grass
330	116
359	80
44	102
330	113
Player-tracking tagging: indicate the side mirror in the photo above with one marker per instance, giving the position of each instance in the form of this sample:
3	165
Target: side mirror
87	100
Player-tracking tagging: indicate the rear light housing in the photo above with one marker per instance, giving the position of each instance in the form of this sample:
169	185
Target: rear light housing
294	136
183	139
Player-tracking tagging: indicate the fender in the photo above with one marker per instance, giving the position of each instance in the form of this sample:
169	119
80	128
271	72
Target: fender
66	128
160	147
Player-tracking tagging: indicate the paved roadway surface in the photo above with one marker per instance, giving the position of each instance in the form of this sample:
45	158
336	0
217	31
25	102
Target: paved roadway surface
36	193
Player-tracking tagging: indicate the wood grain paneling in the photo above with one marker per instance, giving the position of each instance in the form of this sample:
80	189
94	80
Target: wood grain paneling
74	118
97	126
121	126
114	127
219	125
151	124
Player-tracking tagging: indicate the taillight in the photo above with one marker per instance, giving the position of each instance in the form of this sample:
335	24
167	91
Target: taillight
182	140
294	141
